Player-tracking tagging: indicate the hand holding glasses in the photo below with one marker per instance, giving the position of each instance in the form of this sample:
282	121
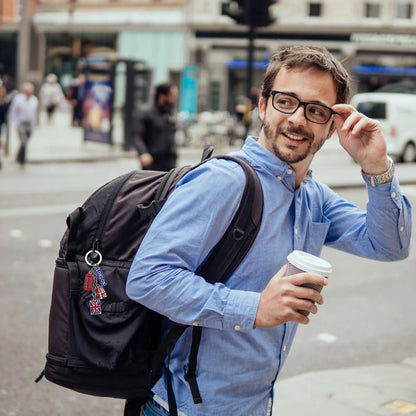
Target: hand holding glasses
288	104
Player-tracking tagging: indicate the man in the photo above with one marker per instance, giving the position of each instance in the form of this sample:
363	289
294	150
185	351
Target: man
24	114
4	108
250	322
154	131
51	95
76	97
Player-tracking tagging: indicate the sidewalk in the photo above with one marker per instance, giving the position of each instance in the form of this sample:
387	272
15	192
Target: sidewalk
385	390
60	142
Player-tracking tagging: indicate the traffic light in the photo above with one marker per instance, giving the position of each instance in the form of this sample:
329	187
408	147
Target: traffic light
236	10
249	12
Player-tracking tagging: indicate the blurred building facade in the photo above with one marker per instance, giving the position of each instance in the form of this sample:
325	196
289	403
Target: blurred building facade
376	39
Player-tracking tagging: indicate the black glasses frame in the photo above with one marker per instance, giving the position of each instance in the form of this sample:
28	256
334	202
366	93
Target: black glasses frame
304	104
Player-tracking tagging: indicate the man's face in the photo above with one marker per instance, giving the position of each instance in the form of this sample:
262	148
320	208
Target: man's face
28	90
292	137
170	98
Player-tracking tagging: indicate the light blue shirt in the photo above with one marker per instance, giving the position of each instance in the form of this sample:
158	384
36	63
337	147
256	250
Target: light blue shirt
237	365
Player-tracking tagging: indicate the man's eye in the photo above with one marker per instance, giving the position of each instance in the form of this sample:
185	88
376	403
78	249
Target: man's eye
317	111
285	102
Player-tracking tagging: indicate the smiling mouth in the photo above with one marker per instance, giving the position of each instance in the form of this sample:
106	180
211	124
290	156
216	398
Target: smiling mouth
294	137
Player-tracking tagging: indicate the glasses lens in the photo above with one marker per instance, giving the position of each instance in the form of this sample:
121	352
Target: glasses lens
285	103
317	113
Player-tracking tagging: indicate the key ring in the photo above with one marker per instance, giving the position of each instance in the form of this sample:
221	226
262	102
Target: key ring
100	258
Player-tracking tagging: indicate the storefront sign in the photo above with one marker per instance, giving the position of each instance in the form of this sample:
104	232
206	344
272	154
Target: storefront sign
384	38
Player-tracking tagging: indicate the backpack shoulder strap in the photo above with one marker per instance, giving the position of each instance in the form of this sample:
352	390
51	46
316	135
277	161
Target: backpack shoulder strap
228	254
240	234
223	260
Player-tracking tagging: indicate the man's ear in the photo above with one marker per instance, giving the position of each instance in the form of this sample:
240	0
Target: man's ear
331	130
262	107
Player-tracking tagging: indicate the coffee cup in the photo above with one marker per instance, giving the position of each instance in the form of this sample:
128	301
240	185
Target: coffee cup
300	261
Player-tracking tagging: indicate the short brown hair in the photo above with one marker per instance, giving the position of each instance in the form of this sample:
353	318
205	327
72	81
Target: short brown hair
307	57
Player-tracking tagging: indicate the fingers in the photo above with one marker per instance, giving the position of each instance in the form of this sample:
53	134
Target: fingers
300	279
295	296
349	120
297	310
352	123
281	272
300	296
285	296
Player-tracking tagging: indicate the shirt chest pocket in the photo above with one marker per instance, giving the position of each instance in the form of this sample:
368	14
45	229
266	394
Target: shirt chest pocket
313	235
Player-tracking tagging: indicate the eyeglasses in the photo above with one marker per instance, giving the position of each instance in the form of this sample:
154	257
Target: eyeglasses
288	104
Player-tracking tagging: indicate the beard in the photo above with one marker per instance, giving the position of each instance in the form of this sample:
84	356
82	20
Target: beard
292	154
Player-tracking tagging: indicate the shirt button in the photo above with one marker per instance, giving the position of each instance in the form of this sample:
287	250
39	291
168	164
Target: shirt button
296	231
279	177
289	171
195	323
401	228
284	348
237	327
393	194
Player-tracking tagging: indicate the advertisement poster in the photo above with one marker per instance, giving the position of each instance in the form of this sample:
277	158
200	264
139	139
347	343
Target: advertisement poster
97	108
189	90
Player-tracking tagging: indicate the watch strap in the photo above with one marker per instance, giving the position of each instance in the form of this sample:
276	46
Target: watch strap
381	178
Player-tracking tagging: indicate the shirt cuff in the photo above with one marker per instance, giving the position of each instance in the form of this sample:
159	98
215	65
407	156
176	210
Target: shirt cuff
377	194
241	310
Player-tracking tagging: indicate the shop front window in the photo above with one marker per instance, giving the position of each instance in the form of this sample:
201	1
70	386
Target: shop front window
315	9
372	10
404	10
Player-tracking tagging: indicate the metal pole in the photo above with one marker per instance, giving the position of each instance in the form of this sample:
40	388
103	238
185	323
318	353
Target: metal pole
251	37
23	42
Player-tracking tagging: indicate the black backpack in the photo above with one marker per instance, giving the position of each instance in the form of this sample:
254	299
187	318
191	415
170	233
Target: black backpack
101	342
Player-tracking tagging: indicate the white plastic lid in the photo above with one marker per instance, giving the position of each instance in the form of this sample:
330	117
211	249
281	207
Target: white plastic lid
309	263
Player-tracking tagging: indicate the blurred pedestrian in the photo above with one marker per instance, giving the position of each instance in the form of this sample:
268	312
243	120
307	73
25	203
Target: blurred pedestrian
24	114
51	95
154	130
8	82
76	96
4	107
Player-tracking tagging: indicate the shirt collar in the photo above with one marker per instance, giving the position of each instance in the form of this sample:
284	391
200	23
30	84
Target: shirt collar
267	160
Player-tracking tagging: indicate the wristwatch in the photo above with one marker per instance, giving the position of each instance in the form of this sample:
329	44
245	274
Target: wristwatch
385	177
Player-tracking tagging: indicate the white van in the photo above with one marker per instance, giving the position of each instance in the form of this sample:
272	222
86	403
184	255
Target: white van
397	114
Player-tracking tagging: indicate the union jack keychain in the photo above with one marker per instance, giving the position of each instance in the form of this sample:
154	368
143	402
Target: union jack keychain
95	307
95	301
95	282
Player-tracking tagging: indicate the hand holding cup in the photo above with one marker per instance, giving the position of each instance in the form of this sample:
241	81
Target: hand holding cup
293	292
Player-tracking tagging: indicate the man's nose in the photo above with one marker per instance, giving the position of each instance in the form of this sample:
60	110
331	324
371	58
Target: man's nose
298	117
